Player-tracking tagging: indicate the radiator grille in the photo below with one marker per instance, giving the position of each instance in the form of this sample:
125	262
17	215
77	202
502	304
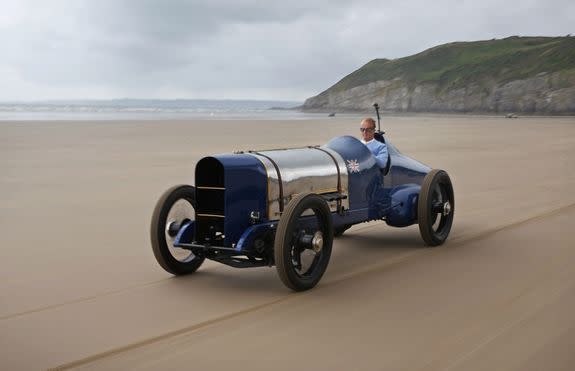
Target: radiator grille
210	202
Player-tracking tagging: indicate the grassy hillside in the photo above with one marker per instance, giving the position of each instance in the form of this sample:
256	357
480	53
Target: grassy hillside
488	62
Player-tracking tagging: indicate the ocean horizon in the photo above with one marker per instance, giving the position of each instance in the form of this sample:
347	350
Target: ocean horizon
152	109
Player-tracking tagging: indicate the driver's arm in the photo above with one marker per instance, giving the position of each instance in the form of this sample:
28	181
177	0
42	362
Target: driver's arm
381	156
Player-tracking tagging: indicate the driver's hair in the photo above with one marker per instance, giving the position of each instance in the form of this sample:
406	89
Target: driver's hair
370	121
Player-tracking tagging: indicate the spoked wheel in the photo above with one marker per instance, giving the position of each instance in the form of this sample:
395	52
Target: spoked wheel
173	209
435	207
303	241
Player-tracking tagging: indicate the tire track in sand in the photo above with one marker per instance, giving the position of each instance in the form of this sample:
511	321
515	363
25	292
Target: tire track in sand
369	270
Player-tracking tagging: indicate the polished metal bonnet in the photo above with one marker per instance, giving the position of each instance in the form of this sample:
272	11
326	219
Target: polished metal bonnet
318	170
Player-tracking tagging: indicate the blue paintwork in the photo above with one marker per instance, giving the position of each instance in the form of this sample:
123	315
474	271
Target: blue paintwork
373	195
247	239
365	183
245	242
245	182
405	170
246	191
403	182
185	233
403	210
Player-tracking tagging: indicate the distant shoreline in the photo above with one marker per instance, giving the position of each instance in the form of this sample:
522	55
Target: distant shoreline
440	113
193	109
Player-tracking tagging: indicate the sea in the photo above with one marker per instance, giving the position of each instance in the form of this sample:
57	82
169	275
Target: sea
154	109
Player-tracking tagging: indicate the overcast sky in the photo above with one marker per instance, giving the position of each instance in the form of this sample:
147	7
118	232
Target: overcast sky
235	49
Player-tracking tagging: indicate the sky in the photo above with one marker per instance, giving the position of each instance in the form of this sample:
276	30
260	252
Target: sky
235	49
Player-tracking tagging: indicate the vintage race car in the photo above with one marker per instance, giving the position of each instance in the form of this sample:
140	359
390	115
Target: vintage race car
284	207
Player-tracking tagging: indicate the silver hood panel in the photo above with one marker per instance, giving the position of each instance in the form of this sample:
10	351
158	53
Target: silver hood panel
312	169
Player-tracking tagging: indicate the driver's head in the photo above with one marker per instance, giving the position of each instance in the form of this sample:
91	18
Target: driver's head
367	129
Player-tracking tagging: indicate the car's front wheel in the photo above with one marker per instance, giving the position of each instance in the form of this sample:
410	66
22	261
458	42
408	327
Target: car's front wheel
303	241
173	209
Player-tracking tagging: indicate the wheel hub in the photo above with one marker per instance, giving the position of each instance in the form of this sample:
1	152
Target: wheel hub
178	214
317	242
446	208
311	241
172	228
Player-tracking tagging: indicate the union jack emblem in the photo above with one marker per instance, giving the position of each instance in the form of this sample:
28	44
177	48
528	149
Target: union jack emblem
353	166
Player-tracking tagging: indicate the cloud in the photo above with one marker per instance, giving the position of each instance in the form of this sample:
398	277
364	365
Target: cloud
235	49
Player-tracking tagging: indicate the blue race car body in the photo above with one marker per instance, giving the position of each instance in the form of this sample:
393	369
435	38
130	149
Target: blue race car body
240	200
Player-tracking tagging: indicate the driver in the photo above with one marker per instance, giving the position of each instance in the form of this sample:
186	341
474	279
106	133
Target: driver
378	149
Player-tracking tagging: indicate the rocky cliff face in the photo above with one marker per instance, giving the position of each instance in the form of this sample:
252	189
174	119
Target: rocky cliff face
545	93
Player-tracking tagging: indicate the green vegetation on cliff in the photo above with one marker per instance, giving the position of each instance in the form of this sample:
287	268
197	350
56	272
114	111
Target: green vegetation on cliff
458	64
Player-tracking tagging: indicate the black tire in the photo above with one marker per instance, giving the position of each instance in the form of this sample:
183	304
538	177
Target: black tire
287	246
161	245
435	197
338	231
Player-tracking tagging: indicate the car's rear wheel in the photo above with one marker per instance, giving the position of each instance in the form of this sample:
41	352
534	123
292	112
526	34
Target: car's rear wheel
435	207
303	241
174	209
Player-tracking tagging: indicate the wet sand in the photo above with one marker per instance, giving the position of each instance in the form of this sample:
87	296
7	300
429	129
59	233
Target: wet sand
80	288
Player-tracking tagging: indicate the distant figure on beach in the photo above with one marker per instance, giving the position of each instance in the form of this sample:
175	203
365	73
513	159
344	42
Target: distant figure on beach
378	149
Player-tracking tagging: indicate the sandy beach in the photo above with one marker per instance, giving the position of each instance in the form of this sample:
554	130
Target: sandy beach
80	288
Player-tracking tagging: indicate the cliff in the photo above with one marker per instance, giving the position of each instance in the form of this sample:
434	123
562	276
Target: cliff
533	75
